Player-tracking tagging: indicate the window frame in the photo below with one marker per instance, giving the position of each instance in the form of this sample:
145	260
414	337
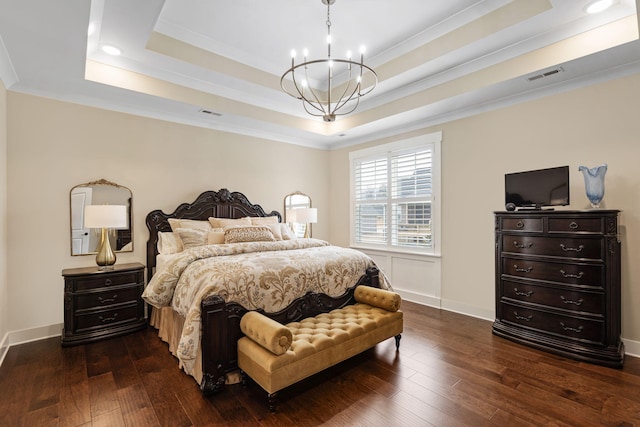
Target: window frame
432	141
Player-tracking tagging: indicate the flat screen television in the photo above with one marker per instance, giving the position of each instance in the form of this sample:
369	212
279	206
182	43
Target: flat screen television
537	188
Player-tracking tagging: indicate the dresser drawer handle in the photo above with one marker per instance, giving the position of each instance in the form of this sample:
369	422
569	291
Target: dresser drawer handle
522	245
524	294
108	300
573	276
522	270
520	224
568	301
569	249
108	319
573	225
107	282
526	319
569	328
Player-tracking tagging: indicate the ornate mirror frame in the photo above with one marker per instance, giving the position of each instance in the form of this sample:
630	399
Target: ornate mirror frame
84	241
296	200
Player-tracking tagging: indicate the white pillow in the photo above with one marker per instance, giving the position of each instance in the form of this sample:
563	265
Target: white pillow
287	233
216	237
192	237
168	243
176	223
275	229
227	222
263	220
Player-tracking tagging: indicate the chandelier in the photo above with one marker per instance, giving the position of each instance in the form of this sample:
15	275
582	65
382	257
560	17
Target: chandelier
332	101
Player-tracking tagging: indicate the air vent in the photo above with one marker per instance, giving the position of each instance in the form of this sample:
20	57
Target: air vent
546	74
213	113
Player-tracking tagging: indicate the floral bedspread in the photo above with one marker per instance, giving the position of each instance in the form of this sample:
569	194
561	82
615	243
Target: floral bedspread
265	275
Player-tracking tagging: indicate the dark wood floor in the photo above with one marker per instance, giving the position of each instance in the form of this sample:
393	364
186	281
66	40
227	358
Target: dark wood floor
450	371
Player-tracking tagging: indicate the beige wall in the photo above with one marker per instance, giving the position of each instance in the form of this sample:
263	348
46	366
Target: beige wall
588	126
4	305
53	146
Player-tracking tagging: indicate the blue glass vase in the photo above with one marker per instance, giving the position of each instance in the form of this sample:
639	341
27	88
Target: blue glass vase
594	183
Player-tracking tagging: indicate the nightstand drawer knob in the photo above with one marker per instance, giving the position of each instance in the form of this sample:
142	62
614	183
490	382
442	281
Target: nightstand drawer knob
108	319
107	282
108	300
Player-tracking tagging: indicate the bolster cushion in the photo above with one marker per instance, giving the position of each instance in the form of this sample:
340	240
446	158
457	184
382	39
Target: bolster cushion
270	334
381	298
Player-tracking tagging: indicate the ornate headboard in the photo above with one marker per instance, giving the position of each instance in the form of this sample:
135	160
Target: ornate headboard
219	204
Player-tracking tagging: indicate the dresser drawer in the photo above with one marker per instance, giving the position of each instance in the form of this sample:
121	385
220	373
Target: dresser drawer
588	275
576	225
564	247
521	224
573	328
113	317
592	303
117	295
89	282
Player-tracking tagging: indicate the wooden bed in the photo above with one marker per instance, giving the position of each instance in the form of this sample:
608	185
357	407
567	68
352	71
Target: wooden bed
221	320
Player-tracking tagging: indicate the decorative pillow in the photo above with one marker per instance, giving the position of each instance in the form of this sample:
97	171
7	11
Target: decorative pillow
253	233
192	237
176	223
216	237
287	233
168	243
263	220
228	222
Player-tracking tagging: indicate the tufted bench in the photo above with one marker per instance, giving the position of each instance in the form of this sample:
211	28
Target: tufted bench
277	356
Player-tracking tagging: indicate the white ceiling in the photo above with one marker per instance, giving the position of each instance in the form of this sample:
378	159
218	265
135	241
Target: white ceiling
436	60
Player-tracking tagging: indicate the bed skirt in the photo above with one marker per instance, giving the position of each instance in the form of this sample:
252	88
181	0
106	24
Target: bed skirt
169	325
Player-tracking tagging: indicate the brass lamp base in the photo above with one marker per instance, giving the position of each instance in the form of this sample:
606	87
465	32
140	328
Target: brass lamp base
105	258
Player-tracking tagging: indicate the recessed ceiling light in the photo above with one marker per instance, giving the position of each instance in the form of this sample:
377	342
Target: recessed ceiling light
111	50
598	6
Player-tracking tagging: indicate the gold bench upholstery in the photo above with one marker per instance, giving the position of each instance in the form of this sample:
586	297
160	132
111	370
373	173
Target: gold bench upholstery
276	356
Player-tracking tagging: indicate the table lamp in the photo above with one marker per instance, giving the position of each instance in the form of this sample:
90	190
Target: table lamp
105	217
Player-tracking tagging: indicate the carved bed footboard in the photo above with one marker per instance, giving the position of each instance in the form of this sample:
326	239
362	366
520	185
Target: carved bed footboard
221	327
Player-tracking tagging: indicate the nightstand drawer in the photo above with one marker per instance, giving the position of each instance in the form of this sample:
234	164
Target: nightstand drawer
101	319
592	303
103	280
107	298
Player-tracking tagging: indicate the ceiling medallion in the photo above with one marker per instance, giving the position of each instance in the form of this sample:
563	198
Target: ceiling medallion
332	101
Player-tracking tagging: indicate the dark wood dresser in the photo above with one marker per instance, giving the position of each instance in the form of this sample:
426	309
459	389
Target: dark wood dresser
102	304
558	282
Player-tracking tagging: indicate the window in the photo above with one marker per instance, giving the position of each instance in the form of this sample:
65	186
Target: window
393	192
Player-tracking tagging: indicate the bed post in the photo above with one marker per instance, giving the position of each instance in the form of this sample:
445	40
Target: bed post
213	372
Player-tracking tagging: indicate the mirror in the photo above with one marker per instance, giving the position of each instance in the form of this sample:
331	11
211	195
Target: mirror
84	241
293	201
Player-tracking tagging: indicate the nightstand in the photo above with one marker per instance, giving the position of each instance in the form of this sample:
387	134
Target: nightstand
102	304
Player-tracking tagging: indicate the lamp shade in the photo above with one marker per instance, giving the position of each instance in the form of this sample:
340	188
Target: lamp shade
307	215
105	216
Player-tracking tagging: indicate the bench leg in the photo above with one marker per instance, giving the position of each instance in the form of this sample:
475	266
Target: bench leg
397	337
273	401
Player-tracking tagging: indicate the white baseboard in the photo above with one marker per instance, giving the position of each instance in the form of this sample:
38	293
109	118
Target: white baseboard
631	348
468	310
27	335
418	298
4	347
